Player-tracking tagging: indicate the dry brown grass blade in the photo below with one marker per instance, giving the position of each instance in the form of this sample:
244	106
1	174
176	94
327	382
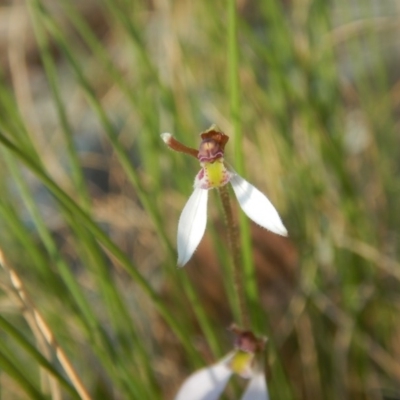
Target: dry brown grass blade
309	358
44	329
370	253
376	352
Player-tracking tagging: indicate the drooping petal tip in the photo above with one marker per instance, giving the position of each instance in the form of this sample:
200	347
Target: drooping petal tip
192	224
205	384
257	389
257	206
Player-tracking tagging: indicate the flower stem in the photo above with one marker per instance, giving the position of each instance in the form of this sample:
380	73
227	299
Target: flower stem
234	240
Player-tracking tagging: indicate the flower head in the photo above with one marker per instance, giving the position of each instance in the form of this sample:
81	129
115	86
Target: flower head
245	360
214	173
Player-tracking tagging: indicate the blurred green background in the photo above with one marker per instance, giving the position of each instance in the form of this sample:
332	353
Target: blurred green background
309	93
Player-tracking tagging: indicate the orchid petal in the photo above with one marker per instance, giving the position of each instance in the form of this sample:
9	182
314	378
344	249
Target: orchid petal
257	388
206	384
192	225
256	205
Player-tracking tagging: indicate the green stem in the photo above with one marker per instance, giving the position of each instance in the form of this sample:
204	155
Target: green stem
233	65
234	244
250	283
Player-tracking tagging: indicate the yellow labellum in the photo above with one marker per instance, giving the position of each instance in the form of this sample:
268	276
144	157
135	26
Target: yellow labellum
216	173
241	362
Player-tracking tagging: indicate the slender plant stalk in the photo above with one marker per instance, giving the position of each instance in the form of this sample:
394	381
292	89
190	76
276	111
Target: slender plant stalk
106	242
233	238
45	330
250	284
40	12
48	380
30	349
66	128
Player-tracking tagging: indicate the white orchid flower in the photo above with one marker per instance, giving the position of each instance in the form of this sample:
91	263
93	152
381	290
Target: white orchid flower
214	173
206	384
209	383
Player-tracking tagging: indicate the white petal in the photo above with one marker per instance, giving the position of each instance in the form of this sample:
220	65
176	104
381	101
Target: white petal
257	388
256	205
206	384
192	225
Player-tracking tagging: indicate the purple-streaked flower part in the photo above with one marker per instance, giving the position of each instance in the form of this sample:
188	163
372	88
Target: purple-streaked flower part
257	206
192	224
206	384
257	388
210	150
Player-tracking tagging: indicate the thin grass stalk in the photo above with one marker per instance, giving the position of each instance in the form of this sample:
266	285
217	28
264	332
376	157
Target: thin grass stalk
11	121
102	344
133	177
149	70
36	355
108	244
128	333
251	289
47	379
51	247
45	330
234	85
9	366
40	13
378	354
149	116
308	356
18	231
49	67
